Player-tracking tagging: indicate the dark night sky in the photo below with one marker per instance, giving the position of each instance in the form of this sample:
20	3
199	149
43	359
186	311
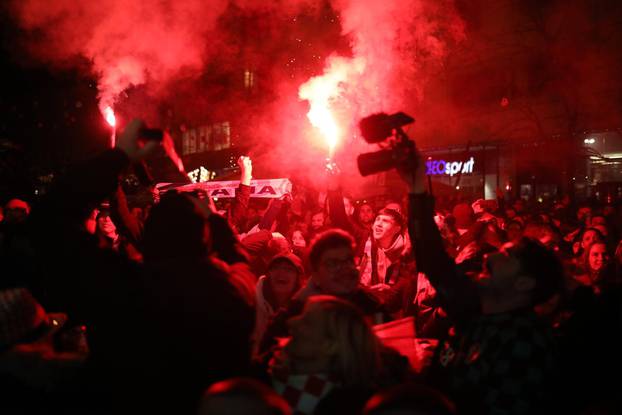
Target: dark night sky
45	116
45	111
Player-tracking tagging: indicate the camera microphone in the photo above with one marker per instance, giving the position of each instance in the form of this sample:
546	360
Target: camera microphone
377	128
376	162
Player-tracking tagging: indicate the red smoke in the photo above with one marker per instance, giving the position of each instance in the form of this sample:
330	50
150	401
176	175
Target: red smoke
395	46
127	42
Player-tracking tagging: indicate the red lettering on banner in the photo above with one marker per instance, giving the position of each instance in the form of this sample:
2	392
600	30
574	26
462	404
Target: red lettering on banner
220	192
267	189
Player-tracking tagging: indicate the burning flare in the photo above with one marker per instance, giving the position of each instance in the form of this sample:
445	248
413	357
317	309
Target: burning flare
112	121
321	117
109	116
325	95
319	91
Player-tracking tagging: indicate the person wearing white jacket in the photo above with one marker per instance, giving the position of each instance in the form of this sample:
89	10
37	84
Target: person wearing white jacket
275	289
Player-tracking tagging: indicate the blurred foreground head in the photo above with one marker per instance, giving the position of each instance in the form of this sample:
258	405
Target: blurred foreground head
409	399
16	211
241	396
524	273
176	228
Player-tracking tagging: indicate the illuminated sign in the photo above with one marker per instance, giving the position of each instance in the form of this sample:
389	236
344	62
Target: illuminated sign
438	167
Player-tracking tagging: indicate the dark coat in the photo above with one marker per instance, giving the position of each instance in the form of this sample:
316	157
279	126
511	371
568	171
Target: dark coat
158	333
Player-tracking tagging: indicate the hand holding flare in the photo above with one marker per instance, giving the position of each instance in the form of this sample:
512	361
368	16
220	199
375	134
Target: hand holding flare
169	149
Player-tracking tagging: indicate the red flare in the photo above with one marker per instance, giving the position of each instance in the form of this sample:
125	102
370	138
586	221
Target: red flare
110	117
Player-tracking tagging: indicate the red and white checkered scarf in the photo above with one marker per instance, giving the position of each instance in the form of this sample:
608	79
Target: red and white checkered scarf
302	392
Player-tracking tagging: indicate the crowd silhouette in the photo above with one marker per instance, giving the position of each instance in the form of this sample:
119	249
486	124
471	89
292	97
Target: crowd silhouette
178	307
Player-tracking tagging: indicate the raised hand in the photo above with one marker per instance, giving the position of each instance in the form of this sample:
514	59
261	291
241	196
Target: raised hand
130	143
246	170
332	174
412	171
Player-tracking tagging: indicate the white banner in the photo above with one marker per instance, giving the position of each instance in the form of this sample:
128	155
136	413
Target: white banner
266	188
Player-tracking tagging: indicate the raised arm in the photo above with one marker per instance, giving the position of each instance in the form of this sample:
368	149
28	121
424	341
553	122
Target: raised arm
457	293
125	222
334	201
85	186
239	210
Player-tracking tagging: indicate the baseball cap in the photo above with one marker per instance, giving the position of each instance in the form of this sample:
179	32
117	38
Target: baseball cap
288	257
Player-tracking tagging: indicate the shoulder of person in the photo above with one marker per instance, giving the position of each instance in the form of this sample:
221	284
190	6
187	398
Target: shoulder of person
367	301
219	268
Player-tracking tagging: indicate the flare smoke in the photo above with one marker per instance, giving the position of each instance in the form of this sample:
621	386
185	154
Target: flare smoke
393	46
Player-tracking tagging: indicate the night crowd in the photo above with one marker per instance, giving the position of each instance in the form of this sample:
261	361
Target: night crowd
182	308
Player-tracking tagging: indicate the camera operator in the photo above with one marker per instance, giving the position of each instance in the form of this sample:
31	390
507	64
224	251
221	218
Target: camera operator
499	359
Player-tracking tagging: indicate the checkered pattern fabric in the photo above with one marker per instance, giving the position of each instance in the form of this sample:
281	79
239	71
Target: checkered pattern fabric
302	392
499	364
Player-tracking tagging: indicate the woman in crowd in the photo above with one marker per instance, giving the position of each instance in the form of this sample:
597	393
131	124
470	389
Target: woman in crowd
587	237
599	271
299	243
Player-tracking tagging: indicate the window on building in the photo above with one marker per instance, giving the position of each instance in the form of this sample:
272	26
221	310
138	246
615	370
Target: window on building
212	137
249	79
